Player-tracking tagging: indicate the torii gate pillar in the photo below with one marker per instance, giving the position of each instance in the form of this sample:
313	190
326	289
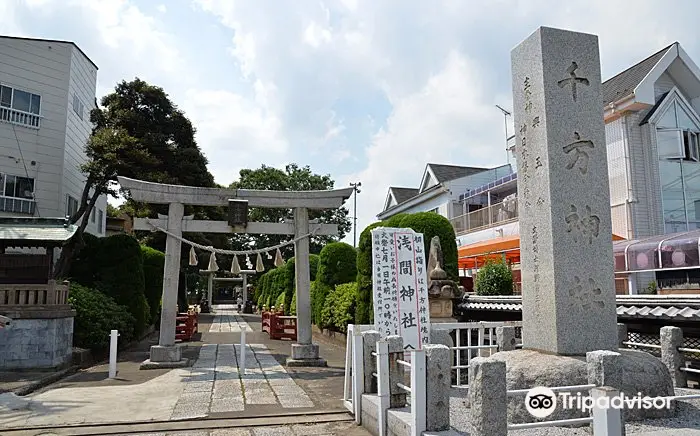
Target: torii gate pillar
304	352
166	354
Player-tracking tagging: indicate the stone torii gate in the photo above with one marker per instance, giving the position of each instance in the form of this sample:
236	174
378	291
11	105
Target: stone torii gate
242	279
167	353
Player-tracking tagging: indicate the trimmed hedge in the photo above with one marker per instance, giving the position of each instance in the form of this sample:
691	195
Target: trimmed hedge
153	265
96	315
121	276
494	278
363	312
429	224
339	308
337	264
84	268
280	303
289	284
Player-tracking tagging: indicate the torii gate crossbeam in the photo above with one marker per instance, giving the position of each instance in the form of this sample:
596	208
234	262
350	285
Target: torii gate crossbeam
167	353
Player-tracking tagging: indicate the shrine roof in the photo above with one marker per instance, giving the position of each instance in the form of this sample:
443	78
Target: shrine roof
36	230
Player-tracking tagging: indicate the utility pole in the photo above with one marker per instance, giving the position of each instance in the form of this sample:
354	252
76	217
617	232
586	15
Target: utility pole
356	189
506	114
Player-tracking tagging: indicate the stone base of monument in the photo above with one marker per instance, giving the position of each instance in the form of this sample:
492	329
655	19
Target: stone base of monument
305	355
165	356
641	372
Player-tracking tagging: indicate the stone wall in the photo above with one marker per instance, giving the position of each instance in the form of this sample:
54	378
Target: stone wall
36	343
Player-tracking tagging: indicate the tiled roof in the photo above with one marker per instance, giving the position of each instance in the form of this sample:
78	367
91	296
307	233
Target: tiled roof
445	173
36	229
403	194
628	306
624	83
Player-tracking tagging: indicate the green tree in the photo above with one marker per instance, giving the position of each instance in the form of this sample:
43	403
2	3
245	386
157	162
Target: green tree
494	278
138	132
292	178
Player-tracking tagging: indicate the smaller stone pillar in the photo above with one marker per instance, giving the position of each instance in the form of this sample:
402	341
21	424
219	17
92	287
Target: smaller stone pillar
441	337
606	420
671	339
396	372
210	288
438	369
505	338
621	335
369	345
488	397
604	368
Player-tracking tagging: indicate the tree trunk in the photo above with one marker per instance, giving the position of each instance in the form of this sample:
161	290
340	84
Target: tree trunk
73	247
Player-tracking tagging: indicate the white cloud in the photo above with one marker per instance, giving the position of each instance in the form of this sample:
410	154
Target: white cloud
162	8
233	132
449	120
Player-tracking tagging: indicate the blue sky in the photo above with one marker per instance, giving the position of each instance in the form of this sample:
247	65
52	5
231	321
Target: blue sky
363	90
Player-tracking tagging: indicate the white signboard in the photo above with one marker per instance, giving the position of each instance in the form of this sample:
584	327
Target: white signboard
400	286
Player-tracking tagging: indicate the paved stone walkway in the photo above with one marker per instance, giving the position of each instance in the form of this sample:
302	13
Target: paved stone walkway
227	320
215	383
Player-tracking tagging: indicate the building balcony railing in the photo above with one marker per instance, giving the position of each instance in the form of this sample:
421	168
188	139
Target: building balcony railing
485	218
20	118
27	295
17	205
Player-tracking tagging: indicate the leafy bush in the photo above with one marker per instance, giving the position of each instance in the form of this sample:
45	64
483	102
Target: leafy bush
280	303
494	278
85	266
289	282
339	308
337	264
319	292
396	220
121	276
293	305
364	313
431	224
96	315
153	264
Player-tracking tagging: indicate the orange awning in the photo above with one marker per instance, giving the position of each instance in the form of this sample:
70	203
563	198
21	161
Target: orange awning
475	254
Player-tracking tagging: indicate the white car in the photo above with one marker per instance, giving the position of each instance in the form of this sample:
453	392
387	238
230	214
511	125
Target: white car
4	321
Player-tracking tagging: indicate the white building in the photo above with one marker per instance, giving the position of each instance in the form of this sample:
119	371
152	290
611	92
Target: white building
441	190
47	91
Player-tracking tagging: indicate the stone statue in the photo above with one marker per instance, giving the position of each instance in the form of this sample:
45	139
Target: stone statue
438	283
441	290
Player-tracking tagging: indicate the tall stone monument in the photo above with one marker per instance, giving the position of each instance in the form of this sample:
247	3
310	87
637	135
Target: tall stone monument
564	196
569	312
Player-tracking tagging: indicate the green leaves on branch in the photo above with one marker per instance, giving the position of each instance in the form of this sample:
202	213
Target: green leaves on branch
494	278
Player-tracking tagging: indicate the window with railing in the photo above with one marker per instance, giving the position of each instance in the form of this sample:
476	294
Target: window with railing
16	194
20	107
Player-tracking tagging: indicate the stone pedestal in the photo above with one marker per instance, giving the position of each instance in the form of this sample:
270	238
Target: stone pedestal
38	337
632	372
440	310
305	355
165	356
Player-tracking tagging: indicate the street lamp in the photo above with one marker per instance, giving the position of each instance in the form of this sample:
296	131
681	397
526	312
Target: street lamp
356	189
